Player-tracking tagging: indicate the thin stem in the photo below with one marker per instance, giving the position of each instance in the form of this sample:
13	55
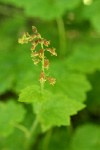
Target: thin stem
47	140
62	36
28	133
42	84
32	131
42	59
33	127
23	129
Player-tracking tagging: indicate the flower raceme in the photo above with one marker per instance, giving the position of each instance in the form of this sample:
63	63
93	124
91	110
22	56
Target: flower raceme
39	56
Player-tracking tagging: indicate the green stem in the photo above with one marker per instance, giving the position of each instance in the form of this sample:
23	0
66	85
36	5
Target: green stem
62	36
33	127
23	129
32	131
47	140
42	84
28	133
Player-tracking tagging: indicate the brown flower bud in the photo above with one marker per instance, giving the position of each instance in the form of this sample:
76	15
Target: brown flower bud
41	53
46	43
46	63
52	51
37	42
36	61
25	38
51	80
42	77
34	54
34	44
33	47
40	40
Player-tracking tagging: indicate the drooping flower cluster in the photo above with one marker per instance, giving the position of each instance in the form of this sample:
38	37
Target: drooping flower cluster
39	56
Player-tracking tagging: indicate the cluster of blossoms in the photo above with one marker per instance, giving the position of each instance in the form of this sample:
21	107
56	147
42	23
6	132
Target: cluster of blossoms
39	56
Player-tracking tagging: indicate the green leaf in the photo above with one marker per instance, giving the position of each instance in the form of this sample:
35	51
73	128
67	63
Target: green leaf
48	10
30	94
6	73
85	58
74	84
9	28
86	137
57	110
51	110
11	113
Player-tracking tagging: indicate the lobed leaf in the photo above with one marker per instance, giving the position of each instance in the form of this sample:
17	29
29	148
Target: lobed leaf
73	84
51	110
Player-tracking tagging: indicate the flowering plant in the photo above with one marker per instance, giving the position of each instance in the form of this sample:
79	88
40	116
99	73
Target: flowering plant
39	56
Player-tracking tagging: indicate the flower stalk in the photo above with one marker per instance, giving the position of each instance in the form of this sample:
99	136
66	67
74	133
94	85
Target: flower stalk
39	56
43	73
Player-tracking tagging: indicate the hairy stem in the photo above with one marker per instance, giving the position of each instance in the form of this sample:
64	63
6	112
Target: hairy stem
62	36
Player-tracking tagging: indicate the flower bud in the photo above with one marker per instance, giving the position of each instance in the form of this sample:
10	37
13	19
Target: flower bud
51	80
52	51
36	61
41	51
34	44
34	54
33	47
42	77
25	38
46	43
46	63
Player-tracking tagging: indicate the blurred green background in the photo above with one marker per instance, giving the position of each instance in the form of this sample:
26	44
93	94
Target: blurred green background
73	27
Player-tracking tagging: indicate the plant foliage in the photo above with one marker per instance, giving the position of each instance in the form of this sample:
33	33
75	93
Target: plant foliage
65	116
